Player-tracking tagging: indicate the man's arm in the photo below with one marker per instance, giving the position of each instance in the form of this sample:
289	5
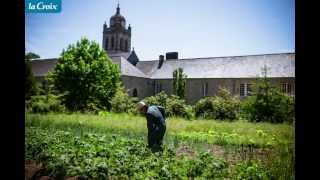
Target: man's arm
163	112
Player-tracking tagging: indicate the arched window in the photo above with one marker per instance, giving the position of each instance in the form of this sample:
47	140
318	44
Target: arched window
126	45
112	42
135	92
107	43
121	44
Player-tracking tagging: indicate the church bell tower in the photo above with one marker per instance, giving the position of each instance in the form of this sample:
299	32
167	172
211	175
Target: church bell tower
116	38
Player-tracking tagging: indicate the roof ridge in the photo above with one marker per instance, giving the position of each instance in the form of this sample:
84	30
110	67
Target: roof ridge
232	56
222	56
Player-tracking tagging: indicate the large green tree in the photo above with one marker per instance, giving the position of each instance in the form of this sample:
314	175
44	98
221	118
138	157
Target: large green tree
179	82
85	76
30	82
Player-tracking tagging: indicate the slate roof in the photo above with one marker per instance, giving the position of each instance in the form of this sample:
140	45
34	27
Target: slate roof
127	68
279	65
147	67
40	67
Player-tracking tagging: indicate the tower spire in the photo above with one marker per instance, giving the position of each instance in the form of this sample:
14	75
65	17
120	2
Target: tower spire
118	8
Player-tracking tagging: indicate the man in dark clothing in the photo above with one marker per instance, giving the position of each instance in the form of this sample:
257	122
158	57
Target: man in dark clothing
156	124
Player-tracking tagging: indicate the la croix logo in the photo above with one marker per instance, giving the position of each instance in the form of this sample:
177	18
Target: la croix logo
41	6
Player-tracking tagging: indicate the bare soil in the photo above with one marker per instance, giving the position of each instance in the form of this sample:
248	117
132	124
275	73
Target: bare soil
35	171
185	151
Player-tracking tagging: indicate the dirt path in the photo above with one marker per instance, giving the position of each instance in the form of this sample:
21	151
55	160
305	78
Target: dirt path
34	171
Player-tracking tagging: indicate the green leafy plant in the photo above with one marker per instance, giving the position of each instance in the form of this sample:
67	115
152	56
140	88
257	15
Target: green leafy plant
88	155
114	146
250	170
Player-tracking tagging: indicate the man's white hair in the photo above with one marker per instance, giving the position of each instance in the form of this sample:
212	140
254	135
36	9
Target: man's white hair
141	104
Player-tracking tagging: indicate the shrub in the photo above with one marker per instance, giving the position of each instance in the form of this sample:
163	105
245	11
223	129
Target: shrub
268	104
223	106
177	107
159	99
204	107
86	76
173	105
122	102
45	104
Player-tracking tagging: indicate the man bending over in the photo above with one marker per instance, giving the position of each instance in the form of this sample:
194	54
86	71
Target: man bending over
156	124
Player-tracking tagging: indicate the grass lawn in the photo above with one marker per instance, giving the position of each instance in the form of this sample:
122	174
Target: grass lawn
236	143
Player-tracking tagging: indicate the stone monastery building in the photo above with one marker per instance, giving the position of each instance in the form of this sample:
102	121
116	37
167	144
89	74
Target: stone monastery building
143	78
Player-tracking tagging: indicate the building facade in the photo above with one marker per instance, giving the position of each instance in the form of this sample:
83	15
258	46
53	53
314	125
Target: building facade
143	78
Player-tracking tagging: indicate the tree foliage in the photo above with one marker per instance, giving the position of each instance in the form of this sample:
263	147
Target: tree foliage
179	82
31	87
268	103
85	76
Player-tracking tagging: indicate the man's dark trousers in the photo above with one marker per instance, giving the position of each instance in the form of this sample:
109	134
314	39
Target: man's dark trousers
155	137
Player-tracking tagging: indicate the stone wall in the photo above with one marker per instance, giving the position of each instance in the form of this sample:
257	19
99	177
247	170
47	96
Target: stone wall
144	86
194	90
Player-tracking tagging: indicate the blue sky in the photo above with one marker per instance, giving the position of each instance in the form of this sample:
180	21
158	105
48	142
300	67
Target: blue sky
194	28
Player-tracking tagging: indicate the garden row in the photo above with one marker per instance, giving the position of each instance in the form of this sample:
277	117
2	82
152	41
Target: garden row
102	156
69	145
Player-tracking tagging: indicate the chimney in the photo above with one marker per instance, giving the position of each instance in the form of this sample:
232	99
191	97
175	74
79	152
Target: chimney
172	55
161	59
